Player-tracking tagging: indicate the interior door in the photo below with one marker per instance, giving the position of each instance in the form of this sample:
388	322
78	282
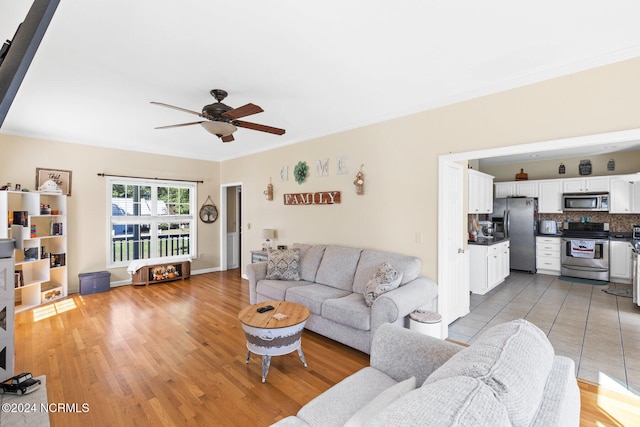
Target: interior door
453	262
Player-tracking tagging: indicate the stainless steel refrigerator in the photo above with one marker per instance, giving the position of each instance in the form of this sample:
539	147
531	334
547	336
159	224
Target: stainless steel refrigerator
517	218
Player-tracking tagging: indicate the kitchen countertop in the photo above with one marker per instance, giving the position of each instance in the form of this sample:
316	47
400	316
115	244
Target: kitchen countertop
622	237
550	235
485	241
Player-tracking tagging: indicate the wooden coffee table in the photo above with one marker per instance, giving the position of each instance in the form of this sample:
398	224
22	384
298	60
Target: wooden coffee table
268	336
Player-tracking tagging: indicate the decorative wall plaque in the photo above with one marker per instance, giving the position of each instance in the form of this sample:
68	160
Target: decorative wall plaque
319	198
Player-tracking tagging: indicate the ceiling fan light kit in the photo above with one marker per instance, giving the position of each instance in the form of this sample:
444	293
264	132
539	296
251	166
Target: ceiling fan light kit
219	129
221	119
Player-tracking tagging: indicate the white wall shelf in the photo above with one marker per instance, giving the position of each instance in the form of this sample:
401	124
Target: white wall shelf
45	235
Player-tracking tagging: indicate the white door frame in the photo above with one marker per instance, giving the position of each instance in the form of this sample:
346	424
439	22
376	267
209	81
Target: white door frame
610	138
223	223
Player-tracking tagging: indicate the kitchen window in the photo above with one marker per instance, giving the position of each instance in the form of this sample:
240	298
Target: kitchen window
150	219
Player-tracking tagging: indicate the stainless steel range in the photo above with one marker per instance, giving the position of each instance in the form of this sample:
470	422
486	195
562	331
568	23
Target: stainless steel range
585	250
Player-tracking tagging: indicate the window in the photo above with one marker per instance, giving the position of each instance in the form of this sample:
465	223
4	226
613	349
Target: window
150	219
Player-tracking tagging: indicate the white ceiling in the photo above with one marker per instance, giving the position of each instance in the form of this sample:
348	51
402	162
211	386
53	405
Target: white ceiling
316	68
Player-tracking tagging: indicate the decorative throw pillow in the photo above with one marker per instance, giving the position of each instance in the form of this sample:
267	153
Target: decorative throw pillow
283	264
385	279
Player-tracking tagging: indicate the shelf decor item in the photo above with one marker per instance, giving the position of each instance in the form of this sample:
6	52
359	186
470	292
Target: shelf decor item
359	182
58	260
522	176
269	191
561	169
584	167
30	254
60	178
300	172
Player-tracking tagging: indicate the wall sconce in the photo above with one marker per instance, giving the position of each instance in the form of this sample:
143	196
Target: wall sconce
269	191
359	182
268	234
611	166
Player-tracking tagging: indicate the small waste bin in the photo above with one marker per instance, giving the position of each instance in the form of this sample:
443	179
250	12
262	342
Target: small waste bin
426	322
91	283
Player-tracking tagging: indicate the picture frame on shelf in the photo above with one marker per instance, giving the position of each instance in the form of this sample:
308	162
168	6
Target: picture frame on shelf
58	260
30	254
62	178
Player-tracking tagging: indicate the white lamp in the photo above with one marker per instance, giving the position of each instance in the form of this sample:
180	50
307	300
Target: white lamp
268	234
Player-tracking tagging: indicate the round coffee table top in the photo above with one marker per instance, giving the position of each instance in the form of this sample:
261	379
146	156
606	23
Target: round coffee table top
295	313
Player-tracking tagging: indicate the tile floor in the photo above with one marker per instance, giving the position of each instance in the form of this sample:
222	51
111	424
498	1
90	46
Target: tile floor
599	331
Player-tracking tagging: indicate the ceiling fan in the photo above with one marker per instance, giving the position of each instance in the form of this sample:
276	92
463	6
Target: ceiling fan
222	120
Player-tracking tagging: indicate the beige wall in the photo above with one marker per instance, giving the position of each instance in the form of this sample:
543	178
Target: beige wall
87	219
627	162
399	209
400	158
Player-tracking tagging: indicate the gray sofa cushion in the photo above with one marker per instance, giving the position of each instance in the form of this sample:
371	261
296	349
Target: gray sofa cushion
349	310
310	257
380	402
514	359
312	296
338	267
370	259
283	264
561	404
335	406
456	401
277	289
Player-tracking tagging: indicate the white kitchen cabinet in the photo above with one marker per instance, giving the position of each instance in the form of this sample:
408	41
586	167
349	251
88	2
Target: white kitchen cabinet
586	185
505	263
505	189
635	197
548	255
550	196
620	196
489	266
620	261
516	188
480	192
527	188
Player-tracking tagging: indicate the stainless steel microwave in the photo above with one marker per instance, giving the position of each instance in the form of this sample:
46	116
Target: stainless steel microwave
585	202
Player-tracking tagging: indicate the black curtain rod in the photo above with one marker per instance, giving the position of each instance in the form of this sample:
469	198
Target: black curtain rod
144	177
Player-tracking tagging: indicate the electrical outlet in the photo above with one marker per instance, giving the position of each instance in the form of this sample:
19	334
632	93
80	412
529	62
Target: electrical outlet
418	237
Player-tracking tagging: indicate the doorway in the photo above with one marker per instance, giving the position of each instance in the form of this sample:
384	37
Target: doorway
452	285
231	226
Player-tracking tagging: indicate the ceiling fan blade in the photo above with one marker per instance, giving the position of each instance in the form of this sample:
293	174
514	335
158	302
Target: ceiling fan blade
227	138
162	104
261	128
177	126
245	110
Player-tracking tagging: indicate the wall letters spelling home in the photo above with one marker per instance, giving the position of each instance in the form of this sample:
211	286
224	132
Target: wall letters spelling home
320	198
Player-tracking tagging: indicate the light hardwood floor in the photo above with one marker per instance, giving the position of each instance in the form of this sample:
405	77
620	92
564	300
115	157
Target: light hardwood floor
173	354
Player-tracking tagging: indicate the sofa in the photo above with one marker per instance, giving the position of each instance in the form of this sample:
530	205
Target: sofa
349	291
509	376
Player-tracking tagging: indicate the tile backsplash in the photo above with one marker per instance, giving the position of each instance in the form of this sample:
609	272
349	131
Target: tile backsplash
619	223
